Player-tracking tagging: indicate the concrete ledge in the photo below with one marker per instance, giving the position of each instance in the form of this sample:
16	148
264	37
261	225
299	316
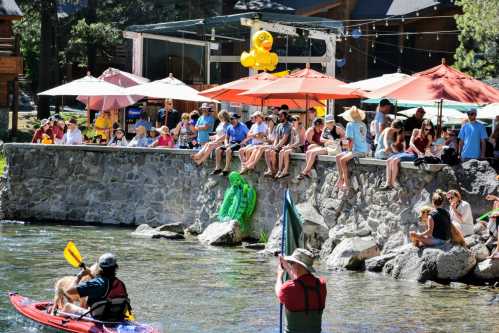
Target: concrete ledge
175	151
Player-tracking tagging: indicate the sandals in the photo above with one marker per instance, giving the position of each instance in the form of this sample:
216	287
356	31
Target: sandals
283	175
216	172
268	174
302	176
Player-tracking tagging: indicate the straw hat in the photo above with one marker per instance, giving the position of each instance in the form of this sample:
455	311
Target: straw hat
302	257
354	114
257	114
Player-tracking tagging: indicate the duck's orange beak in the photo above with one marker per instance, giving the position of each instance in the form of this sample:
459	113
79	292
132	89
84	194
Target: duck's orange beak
267	45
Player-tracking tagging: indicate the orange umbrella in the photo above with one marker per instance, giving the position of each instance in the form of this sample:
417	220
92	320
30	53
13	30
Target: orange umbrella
439	84
230	92
306	85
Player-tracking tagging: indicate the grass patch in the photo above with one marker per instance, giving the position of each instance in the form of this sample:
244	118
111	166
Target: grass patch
3	163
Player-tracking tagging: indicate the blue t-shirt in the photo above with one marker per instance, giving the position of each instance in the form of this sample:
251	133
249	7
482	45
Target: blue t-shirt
357	132
94	289
204	135
472	134
379	119
238	133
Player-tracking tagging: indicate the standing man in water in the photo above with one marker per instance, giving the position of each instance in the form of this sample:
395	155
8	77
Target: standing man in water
304	296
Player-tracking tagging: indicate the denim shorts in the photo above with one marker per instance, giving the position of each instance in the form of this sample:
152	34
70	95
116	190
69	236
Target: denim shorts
404	157
437	241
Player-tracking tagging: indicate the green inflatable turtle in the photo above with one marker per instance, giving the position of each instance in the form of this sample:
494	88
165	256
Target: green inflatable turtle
239	201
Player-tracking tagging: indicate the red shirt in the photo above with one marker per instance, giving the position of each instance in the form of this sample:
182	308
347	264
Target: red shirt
39	133
58	132
165	141
292	294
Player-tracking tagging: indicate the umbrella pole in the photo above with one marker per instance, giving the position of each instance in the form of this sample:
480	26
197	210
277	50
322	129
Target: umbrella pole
439	119
306	110
88	111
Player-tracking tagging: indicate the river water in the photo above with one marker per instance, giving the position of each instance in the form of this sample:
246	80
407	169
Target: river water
182	286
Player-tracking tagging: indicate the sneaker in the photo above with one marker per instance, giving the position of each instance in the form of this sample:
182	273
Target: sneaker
216	172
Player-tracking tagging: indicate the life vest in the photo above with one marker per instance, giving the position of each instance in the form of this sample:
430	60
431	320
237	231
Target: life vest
308	321
114	305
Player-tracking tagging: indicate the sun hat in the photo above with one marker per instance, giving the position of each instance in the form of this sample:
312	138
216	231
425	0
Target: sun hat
234	116
353	114
162	129
302	257
107	260
257	114
272	117
44	122
329	118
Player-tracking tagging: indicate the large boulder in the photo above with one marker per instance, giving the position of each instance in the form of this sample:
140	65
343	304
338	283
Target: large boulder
146	231
352	252
487	270
273	245
480	251
177	227
315	229
433	263
222	234
376	264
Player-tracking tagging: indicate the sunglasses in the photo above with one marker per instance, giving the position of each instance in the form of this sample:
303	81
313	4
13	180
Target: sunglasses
427	128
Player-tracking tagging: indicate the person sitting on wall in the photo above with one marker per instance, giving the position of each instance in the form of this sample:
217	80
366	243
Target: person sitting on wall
73	134
44	129
387	140
107	295
356	133
294	145
152	135
438	225
164	140
258	151
254	138
140	139
304	296
57	129
184	133
118	139
413	122
216	140
236	133
283	137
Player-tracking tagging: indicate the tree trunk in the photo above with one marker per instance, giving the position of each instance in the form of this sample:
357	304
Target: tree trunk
91	51
49	66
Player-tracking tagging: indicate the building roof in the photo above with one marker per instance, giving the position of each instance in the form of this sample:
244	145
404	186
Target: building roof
367	9
230	24
263	5
10	8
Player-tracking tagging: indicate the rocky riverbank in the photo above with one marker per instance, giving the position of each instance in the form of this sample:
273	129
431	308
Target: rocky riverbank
134	186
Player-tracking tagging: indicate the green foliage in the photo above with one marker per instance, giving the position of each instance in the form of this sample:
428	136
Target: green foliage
3	163
478	51
264	237
28	29
103	36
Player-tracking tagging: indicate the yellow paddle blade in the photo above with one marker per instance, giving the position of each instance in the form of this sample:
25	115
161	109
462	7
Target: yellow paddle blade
129	315
72	255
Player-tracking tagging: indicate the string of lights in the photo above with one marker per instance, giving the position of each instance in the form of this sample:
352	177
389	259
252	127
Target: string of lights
411	48
408	33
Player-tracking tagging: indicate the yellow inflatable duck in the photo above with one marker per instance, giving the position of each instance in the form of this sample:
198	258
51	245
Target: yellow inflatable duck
259	57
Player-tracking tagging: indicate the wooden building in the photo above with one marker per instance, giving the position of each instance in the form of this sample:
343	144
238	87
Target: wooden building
11	65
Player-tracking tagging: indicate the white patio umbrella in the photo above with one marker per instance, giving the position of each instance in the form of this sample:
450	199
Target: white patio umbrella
86	86
169	87
377	82
490	111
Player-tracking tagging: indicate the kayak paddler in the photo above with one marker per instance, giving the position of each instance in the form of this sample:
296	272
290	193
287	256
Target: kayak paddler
107	295
304	295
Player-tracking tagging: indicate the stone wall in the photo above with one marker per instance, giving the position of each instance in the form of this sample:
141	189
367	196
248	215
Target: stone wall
133	186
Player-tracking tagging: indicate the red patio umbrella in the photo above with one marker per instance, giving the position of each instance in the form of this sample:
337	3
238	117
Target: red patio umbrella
231	92
439	84
306	85
119	78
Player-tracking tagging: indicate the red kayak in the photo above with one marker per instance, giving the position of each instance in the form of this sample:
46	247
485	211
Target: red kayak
38	311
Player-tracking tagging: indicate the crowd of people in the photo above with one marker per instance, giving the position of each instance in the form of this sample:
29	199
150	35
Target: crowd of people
278	134
452	225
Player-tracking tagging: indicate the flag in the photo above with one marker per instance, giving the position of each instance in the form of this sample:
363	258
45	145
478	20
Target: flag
291	236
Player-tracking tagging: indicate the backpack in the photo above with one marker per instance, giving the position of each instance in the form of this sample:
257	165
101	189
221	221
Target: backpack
449	156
